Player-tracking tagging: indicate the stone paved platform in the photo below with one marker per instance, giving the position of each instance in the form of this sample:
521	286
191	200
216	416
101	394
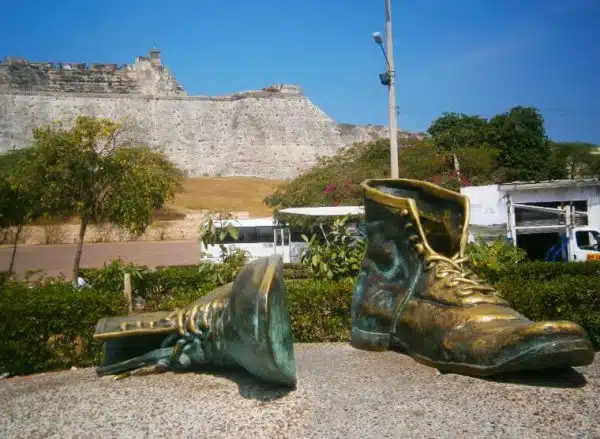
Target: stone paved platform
342	393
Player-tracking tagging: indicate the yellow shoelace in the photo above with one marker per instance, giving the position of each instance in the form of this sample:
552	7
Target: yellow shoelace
456	274
185	318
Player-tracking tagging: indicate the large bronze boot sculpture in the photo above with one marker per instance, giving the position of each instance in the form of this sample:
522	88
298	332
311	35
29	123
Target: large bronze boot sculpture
415	294
244	323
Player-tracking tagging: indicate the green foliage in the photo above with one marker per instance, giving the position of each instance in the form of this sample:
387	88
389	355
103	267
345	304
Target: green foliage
93	172
564	297
575	159
478	164
50	326
215	228
541	271
226	271
509	147
20	193
337	256
521	138
495	257
453	131
336	180
111	277
422	161
320	310
295	271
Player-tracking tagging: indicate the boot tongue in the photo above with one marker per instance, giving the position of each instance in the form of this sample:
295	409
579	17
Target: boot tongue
440	211
443	230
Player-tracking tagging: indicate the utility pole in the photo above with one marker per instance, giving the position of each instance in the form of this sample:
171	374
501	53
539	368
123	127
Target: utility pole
391	90
389	79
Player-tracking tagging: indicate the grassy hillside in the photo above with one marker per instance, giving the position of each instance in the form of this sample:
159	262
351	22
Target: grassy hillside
234	194
225	193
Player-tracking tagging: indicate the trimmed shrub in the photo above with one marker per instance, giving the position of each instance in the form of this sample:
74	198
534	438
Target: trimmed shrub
559	297
320	310
4	276
148	284
295	271
50	326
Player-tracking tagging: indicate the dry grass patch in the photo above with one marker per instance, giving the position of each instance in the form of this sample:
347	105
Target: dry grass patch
225	193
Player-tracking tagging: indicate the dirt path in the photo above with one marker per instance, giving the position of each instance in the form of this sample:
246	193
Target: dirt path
55	259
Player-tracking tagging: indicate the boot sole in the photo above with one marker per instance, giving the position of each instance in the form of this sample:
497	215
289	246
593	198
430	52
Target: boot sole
559	354
370	341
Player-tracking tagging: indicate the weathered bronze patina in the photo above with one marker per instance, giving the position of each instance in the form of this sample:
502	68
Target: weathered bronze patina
415	294
243	323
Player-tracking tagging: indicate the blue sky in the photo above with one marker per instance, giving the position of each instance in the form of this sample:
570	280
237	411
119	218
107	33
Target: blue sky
472	56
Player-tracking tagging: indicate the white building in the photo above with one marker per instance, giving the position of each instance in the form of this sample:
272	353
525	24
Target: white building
498	210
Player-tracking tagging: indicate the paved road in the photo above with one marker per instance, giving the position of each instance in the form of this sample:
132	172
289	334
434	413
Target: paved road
342	393
55	259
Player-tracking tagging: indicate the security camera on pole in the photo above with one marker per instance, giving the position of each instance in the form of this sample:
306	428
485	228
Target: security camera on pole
388	78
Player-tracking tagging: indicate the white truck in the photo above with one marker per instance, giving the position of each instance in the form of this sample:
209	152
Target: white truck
575	241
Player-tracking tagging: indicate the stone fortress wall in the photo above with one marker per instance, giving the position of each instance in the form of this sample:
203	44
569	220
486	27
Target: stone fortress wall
276	132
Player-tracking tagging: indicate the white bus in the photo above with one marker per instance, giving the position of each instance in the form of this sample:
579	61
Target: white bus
262	237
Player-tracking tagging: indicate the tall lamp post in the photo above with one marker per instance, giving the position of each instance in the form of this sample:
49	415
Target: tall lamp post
388	79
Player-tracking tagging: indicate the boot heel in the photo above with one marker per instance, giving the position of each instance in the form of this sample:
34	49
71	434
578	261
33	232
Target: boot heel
371	341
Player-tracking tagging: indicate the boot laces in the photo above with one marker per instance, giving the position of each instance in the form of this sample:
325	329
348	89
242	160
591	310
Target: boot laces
457	275
188	323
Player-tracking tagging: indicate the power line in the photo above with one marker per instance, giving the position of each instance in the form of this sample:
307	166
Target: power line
590	112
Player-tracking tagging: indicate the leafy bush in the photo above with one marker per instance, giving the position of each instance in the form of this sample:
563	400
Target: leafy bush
50	325
110	278
561	297
540	271
295	271
4	276
339	256
491	259
320	310
231	264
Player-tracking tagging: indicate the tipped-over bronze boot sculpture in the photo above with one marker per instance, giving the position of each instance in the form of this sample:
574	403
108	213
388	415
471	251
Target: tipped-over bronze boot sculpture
243	323
415	294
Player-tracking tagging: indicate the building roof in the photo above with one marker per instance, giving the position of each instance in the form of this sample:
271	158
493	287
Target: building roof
548	184
325	210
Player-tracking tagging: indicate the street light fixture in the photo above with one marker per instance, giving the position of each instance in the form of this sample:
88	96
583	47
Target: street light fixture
387	79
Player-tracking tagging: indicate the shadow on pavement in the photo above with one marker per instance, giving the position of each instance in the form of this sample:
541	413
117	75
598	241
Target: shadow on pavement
249	386
559	378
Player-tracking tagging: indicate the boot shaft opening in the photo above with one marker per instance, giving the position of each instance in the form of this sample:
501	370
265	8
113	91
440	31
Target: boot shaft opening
442	214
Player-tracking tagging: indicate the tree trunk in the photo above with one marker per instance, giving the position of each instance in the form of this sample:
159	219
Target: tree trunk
14	252
82	228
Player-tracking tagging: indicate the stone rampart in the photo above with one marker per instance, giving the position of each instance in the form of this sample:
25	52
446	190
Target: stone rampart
276	132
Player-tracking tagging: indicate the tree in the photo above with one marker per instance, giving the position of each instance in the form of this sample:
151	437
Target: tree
422	161
478	164
20	192
521	138
458	130
90	171
575	159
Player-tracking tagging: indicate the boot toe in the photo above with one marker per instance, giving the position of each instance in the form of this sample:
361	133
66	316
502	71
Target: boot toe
539	345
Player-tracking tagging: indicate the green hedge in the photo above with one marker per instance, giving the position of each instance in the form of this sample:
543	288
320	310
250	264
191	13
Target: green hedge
547	291
163	281
50	326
